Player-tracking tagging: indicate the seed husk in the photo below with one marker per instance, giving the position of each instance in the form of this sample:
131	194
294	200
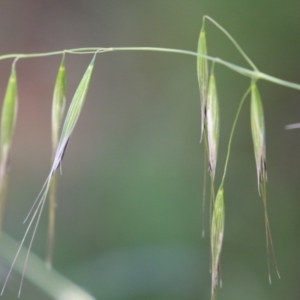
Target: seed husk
9	116
217	233
258	135
202	72
212	123
8	122
58	102
259	142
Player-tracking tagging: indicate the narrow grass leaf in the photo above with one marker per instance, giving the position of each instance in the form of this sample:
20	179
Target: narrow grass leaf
68	127
212	124
217	232
202	72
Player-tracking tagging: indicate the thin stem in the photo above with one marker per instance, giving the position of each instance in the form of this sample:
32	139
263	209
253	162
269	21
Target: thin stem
51	226
246	72
3	191
232	131
204	193
233	41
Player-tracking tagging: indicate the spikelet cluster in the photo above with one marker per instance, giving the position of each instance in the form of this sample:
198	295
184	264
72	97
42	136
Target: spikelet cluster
209	103
210	128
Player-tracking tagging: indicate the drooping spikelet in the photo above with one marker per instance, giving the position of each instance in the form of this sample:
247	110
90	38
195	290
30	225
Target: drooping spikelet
8	121
212	123
258	135
202	72
217	233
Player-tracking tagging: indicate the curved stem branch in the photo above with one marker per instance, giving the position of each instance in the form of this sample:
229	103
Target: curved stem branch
92	50
250	62
232	131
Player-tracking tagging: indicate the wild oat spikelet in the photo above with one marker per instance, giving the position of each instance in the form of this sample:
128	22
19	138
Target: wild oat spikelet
202	72
9	116
58	102
8	121
259	142
217	232
212	123
258	135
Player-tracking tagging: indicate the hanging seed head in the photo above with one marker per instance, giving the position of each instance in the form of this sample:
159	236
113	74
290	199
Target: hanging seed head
202	71
73	113
258	135
58	103
212	122
9	114
217	232
68	127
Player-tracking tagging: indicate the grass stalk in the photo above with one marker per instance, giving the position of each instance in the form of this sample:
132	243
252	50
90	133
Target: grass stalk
51	222
228	35
231	133
3	191
58	108
243	71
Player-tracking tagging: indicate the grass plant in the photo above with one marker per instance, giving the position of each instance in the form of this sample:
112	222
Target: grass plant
210	130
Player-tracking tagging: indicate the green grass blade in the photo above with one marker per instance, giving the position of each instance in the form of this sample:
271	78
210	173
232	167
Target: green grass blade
53	284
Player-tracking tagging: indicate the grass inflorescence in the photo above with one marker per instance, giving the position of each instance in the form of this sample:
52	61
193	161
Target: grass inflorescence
62	129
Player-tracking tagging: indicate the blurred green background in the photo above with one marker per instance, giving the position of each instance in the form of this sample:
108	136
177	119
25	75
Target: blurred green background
129	212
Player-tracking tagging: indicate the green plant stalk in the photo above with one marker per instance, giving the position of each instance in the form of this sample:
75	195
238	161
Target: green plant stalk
51	223
228	35
58	107
204	193
4	179
243	71
3	191
231	133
